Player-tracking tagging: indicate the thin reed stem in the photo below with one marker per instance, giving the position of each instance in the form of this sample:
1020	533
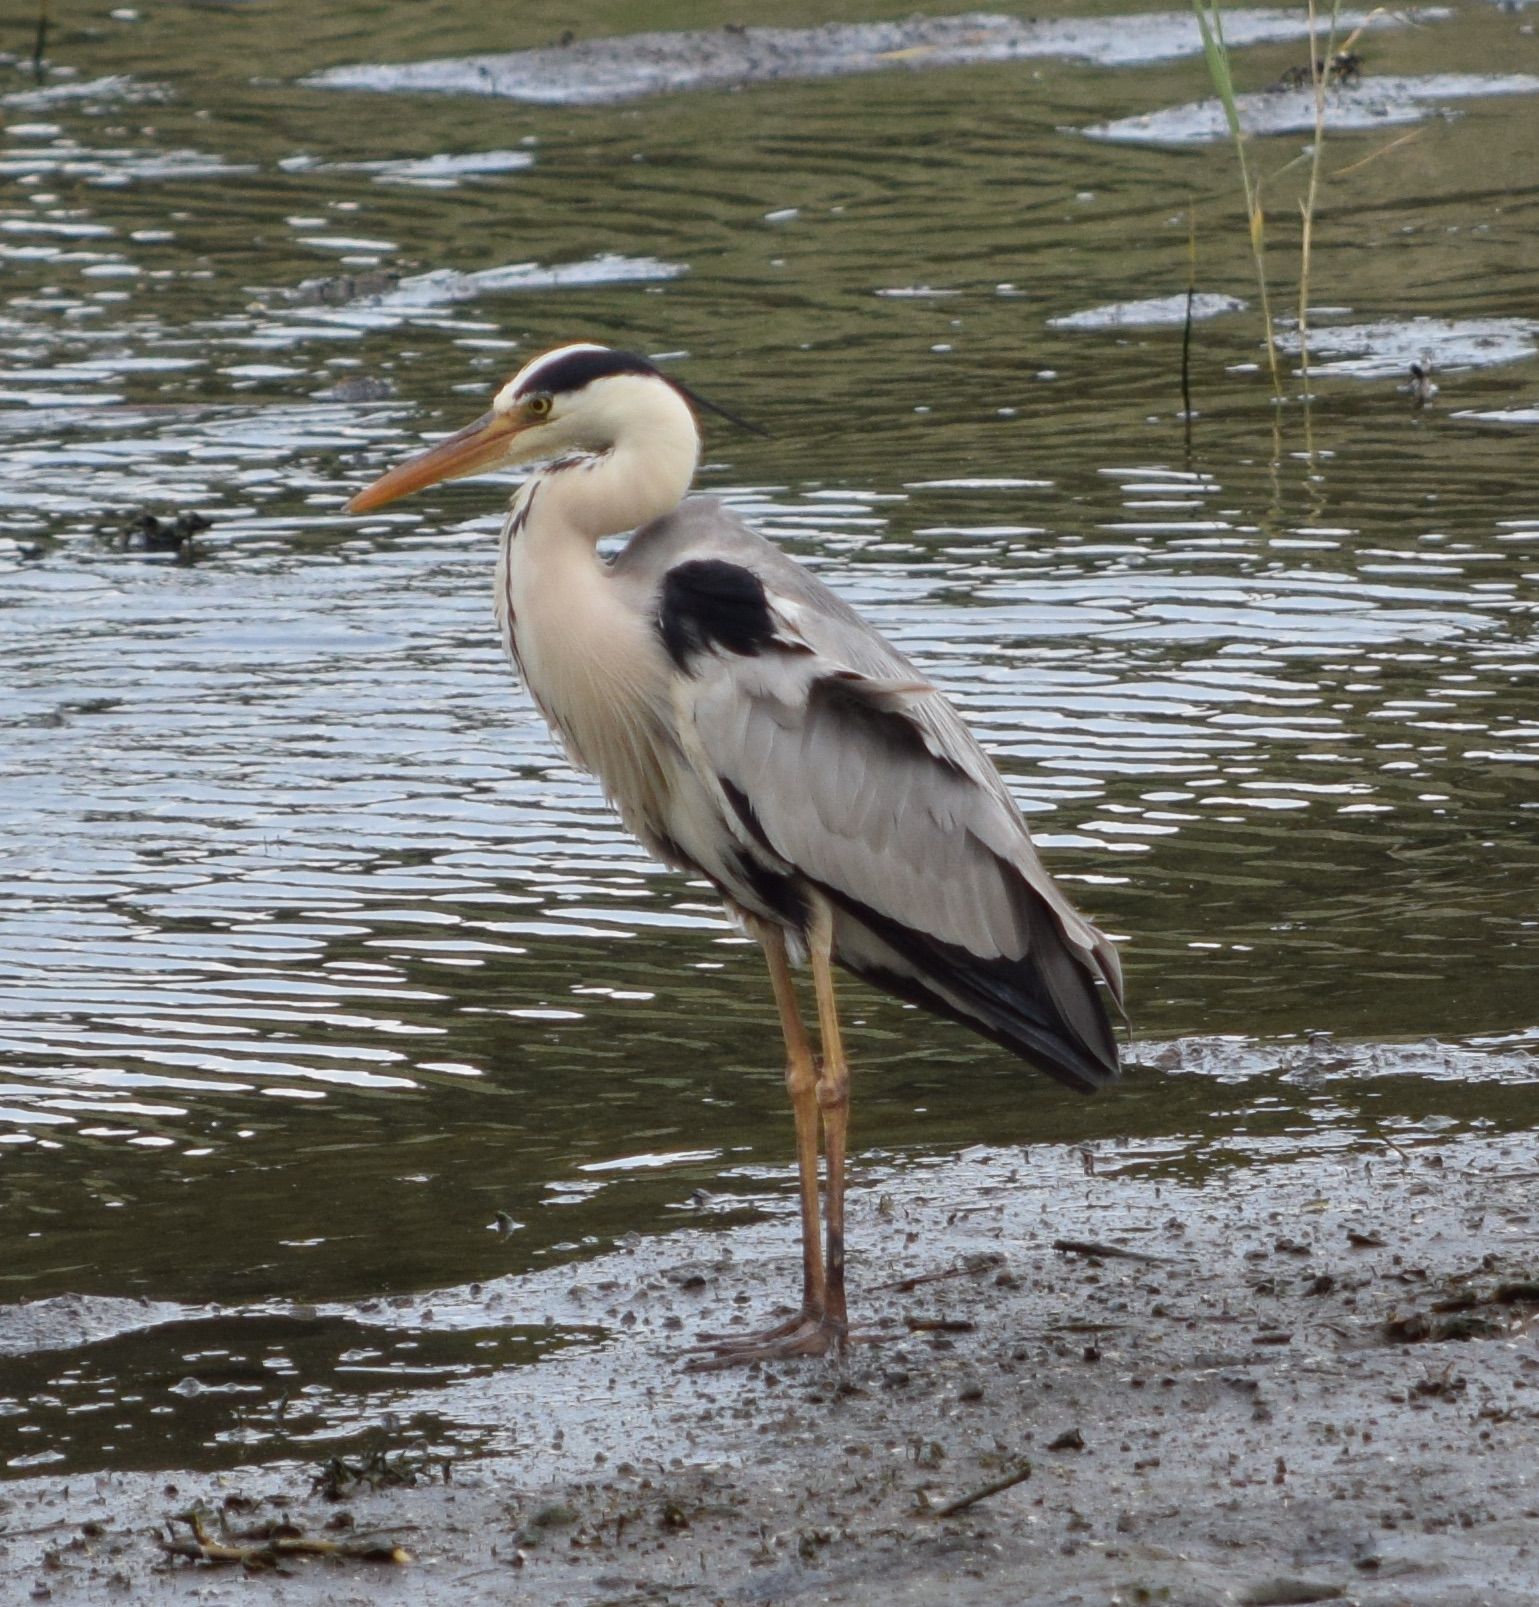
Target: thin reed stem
1210	23
1319	72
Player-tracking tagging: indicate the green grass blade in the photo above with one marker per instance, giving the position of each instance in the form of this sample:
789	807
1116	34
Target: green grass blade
1210	25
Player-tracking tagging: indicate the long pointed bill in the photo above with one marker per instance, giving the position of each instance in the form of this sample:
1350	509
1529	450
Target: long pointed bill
473	450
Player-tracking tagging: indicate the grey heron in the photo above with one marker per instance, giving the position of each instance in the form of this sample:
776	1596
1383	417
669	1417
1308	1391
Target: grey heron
752	729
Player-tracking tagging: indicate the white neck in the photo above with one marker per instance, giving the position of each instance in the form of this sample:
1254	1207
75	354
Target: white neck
588	657
639	451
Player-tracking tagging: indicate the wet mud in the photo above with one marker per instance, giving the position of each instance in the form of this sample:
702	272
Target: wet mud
1312	1381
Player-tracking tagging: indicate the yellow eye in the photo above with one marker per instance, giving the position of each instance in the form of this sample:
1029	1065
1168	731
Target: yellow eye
539	405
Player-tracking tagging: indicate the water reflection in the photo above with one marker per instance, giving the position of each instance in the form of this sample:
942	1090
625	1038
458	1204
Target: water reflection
1380	102
317	959
220	1393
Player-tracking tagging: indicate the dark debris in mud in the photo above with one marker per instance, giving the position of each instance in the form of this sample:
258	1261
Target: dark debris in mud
339	1479
1510	1308
269	1544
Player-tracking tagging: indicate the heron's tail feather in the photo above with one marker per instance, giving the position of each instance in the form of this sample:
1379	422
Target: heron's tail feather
1044	1007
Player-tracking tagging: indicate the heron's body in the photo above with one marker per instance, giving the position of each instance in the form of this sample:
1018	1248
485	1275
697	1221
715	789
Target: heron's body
751	728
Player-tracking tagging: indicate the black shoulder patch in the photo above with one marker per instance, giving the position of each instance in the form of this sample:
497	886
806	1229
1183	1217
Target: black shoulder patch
709	603
574	369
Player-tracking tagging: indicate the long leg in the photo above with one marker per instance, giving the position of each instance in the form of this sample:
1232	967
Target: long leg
801	1084
833	1098
814	1329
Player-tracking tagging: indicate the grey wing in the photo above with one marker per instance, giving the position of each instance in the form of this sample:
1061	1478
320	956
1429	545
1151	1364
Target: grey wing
835	762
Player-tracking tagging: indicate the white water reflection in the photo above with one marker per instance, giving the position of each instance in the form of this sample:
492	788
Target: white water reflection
442	171
1389	346
591	72
68	89
64	160
1151	312
1369	103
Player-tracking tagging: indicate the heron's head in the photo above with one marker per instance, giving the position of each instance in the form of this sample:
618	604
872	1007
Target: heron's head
581	398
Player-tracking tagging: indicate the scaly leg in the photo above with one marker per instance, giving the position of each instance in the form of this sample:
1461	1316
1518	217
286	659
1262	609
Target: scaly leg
833	1097
811	1332
801	1084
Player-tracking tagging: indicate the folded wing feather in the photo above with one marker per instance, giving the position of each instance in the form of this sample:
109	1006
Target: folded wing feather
860	776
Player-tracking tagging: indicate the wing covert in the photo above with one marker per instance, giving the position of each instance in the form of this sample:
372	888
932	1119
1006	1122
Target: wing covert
858	774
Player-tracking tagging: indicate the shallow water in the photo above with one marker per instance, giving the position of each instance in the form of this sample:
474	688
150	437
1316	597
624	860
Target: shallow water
315	955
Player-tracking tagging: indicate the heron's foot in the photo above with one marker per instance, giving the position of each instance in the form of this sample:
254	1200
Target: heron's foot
756	1336
811	1333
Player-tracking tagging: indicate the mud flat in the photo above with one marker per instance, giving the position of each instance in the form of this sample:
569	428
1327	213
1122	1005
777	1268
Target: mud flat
1315	1379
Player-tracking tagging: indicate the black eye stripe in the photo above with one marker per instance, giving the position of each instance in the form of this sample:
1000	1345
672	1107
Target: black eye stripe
562	373
572	370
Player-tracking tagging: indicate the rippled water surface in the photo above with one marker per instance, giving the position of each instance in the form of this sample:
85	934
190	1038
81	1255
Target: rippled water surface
326	979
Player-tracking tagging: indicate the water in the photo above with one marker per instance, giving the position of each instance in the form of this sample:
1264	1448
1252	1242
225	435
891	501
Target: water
316	956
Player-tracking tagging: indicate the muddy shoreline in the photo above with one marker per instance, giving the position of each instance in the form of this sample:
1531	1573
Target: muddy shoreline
1308	1381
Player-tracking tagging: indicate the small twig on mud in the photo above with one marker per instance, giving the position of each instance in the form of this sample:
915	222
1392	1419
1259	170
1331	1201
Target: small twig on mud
974	1264
273	1548
1111	1252
1005	1482
1521	1291
1390	1144
939	1325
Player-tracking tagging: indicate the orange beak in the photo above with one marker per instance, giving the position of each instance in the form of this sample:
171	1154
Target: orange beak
473	450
